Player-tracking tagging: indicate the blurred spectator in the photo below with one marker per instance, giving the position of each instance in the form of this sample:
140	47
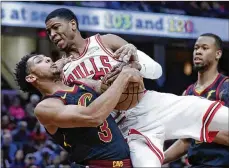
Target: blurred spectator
205	5
64	158
19	160
4	161
38	135
4	109
16	109
9	148
29	108
7	123
193	8
21	134
95	4
44	157
114	4
30	160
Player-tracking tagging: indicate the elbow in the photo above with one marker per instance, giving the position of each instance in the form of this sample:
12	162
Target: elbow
95	119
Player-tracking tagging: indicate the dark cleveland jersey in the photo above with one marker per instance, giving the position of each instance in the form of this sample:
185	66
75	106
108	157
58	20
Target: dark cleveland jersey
104	142
209	154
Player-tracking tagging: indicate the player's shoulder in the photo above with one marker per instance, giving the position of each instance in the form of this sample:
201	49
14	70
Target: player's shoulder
106	38
47	103
225	83
46	109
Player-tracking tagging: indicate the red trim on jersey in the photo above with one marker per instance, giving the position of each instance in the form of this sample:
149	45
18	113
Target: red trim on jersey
206	89
152	147
218	88
99	41
187	90
85	49
207	118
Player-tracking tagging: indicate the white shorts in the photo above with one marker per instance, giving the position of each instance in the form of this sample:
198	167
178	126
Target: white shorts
162	116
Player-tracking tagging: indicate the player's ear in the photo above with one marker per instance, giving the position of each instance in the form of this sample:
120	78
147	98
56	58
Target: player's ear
73	25
30	78
218	54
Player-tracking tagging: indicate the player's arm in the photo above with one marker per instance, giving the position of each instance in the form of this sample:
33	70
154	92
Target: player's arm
149	68
96	85
223	136
54	112
177	150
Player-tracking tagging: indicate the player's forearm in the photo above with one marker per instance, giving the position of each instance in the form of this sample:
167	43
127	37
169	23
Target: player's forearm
104	104
222	138
177	150
94	84
150	69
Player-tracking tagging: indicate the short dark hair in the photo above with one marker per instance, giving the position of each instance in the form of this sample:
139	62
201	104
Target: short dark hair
218	40
21	71
63	13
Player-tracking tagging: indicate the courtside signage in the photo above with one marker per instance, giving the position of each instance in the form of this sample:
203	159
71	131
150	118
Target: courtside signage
116	21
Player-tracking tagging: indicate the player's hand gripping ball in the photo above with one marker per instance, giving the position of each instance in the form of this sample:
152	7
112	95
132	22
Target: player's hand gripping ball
133	93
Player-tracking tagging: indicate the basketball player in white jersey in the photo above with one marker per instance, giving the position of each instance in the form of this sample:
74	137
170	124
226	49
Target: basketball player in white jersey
158	116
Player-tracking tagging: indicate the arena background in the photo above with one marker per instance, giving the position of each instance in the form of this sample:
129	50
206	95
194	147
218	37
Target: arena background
164	30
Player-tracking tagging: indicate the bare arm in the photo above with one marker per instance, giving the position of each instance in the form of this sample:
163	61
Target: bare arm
54	112
113	44
177	150
94	84
150	69
223	136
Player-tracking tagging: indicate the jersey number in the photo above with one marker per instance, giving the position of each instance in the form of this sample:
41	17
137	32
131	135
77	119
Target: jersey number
105	134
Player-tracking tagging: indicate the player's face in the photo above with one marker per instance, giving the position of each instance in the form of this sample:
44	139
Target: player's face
42	67
205	53
61	32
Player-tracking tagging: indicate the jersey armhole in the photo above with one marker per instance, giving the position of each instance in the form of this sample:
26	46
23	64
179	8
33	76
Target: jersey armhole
187	90
55	97
99	41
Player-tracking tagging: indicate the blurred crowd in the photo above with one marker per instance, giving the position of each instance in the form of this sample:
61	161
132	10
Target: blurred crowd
215	9
25	143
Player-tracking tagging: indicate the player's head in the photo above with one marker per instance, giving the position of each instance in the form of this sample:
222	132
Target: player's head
61	26
33	69
207	51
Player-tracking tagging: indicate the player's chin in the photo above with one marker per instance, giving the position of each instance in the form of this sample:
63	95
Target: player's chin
198	67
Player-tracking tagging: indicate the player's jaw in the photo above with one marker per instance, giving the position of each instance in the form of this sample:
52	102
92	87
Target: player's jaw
198	62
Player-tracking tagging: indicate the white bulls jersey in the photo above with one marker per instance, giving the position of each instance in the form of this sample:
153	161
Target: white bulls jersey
93	63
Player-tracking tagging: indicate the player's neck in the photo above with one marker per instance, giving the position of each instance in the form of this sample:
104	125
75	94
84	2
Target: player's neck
77	47
208	76
50	87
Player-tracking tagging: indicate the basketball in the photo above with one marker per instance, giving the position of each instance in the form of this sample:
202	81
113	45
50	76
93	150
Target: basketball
130	97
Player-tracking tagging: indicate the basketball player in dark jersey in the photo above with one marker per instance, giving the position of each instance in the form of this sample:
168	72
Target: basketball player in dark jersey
75	116
213	86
